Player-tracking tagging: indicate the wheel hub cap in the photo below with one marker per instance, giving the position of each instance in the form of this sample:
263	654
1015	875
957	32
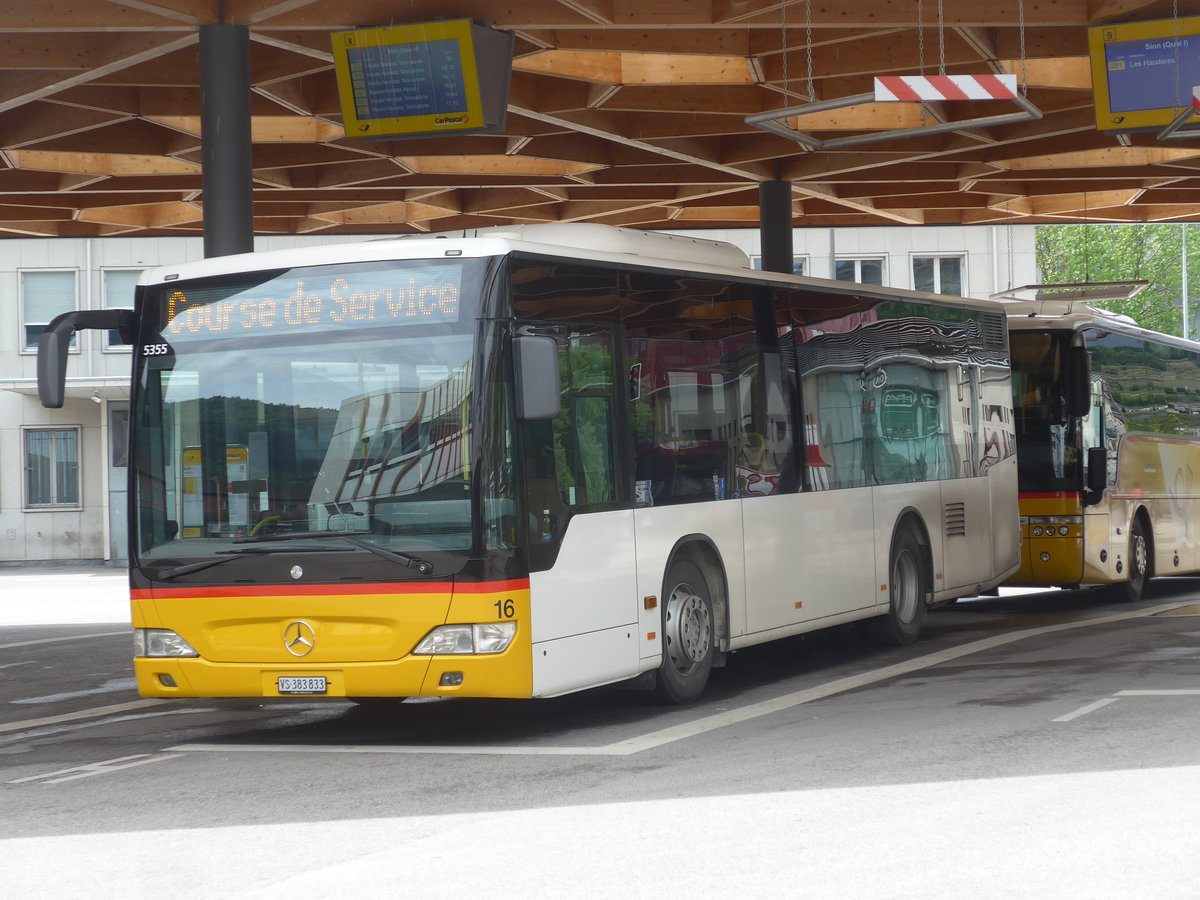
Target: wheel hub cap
688	628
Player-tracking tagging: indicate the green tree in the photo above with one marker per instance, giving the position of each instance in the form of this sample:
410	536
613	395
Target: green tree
1090	253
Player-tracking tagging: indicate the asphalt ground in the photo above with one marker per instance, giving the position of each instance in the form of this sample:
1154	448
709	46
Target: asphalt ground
1031	745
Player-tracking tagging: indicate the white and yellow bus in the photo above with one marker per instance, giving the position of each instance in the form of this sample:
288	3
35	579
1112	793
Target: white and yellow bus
1108	444
537	460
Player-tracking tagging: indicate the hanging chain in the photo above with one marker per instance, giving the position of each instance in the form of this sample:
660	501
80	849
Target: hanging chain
941	41
921	35
1009	229
1178	101
1087	234
1021	30
783	45
921	48
812	94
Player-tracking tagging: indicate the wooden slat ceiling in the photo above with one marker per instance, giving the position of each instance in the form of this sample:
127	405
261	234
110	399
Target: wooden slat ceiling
628	112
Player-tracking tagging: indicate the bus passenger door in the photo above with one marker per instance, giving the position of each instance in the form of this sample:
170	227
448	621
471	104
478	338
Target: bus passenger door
580	532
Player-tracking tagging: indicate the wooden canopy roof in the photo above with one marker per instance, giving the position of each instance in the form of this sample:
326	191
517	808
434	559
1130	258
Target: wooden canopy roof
627	112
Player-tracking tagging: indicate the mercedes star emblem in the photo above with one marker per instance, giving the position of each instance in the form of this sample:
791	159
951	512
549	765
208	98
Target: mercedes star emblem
299	638
297	572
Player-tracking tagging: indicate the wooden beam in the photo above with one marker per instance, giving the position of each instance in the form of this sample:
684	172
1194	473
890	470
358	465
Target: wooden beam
119	53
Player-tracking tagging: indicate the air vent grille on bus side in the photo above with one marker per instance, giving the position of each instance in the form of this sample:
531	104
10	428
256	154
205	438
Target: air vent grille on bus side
955	519
993	330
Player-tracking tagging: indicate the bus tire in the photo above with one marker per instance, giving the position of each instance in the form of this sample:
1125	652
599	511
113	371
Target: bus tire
688	634
1140	565
908	586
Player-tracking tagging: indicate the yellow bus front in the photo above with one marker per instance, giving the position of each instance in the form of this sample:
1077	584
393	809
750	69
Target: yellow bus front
378	640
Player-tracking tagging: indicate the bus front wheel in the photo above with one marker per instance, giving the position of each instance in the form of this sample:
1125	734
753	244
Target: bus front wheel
907	589
1134	589
688	634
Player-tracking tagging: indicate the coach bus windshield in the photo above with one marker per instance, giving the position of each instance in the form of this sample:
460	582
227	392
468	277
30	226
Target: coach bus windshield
307	402
1048	451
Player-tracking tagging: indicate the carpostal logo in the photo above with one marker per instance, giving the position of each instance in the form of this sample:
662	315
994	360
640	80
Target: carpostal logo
452	120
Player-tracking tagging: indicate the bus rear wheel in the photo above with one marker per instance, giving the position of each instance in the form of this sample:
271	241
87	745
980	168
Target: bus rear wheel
1135	588
908	587
688	634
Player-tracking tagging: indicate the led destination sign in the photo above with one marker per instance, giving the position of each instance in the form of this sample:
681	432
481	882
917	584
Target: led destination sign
313	301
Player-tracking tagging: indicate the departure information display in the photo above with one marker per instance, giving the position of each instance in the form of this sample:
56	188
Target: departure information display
397	80
1143	73
409	80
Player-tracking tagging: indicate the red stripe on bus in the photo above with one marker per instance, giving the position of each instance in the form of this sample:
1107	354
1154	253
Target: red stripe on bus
1053	495
331	590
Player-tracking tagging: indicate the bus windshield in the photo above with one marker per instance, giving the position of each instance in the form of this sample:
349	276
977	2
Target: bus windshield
291	404
1048	454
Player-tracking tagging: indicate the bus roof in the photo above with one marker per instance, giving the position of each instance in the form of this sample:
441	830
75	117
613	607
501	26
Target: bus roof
1075	315
574	240
577	241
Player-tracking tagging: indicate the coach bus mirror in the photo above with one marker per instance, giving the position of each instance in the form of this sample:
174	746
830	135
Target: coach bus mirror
55	342
1078	381
535	364
1097	474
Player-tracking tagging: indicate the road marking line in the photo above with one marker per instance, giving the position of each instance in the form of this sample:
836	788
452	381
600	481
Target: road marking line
100	768
74	637
436	750
1084	710
1092	707
92	713
675	733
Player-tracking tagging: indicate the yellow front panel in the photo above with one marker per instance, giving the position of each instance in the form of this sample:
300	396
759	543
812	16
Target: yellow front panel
361	643
1050	558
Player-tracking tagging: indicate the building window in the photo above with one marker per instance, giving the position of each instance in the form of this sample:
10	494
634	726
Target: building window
868	270
51	467
799	265
44	295
938	274
119	285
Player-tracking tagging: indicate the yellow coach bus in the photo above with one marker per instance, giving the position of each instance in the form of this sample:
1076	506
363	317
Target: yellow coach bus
1108	448
536	460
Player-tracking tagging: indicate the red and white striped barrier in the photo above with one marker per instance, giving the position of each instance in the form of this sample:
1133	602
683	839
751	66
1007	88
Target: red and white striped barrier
945	87
1196	97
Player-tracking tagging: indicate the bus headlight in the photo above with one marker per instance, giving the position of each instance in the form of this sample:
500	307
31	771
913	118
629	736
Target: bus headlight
160	642
489	637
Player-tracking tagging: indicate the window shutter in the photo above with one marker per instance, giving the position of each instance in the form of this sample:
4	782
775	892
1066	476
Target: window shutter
46	294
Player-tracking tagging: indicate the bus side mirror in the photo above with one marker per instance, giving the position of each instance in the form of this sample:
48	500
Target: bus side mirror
1097	474
55	342
535	365
1078	381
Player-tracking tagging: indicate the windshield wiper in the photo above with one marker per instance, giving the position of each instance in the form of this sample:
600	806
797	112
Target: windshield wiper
226	556
424	566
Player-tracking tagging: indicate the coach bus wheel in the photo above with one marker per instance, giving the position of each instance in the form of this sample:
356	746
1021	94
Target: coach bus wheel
907	590
688	634
1139	566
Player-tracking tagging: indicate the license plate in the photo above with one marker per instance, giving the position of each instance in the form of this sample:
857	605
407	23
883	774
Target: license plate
314	684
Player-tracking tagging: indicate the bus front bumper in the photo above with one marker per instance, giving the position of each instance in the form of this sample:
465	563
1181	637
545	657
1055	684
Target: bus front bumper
506	674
